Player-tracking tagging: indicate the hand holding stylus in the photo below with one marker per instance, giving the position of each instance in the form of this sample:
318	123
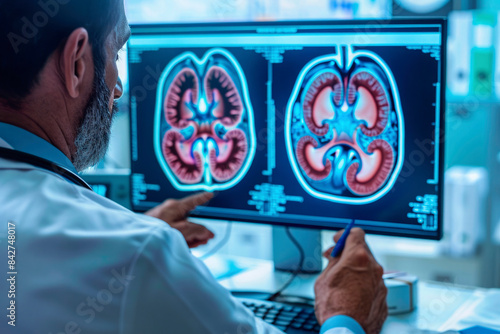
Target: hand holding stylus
352	283
339	246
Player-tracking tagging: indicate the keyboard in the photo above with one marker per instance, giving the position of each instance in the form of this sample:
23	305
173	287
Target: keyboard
290	319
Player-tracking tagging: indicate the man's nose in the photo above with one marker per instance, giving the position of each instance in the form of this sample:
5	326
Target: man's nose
118	89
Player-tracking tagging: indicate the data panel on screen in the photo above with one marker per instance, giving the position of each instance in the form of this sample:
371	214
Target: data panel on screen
309	124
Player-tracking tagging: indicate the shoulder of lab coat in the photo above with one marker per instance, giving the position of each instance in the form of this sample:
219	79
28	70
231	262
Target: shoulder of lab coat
96	266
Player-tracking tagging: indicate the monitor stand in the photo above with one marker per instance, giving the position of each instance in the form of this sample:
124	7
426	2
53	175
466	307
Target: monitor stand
286	256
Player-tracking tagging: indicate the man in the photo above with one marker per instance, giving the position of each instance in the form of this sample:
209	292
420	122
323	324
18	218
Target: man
83	264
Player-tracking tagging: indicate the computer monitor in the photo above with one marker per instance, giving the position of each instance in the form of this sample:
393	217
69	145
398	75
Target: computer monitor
304	124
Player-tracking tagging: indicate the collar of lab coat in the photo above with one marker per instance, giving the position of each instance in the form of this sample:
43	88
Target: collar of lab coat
24	141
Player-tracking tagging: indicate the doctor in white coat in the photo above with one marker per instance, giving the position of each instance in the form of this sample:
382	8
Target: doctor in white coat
79	263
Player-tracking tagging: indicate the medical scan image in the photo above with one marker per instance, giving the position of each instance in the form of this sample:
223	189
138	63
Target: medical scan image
205	122
346	127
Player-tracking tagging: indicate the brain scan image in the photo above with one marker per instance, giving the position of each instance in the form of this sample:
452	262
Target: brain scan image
345	128
205	133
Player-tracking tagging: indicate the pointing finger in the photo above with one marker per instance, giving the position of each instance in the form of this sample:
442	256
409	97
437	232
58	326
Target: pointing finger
191	202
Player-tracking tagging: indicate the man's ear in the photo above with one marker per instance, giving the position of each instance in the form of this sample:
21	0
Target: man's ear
75	61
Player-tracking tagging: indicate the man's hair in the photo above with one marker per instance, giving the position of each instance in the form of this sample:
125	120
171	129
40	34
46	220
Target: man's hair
31	30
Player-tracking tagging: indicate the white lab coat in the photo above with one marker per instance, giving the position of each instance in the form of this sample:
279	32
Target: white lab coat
87	265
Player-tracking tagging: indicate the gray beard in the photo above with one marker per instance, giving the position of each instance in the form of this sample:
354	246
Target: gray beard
94	132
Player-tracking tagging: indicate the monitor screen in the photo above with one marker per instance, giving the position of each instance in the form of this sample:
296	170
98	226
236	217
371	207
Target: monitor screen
306	124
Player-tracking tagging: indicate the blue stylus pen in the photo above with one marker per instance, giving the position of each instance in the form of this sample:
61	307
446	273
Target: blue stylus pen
339	246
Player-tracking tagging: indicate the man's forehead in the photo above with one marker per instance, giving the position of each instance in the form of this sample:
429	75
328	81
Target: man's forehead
123	25
121	32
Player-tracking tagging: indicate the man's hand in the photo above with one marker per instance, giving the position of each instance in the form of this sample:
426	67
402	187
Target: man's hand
352	285
175	212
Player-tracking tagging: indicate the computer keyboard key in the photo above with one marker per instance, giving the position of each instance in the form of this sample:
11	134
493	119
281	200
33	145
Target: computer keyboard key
282	323
290	319
271	317
273	311
308	327
303	316
285	318
308	310
288	314
283	328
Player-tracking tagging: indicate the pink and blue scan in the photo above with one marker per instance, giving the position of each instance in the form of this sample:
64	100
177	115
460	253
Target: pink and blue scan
204	123
345	128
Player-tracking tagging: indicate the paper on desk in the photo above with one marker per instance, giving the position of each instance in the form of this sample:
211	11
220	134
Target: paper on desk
486	312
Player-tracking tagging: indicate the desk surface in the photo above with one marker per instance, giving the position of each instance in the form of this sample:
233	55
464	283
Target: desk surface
441	307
